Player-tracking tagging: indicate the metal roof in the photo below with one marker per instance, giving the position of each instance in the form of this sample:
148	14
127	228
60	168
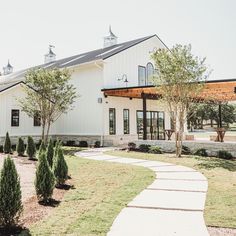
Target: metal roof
99	54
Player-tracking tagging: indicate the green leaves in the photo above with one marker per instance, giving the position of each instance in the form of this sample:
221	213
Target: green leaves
48	92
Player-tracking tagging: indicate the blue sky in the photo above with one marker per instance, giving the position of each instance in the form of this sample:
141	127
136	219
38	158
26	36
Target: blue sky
74	26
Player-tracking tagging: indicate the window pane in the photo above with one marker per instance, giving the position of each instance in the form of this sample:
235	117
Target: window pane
15	117
150	73
126	121
140	124
37	119
112	121
141	76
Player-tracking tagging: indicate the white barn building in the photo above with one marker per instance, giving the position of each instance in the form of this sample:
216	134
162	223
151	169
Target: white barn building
96	114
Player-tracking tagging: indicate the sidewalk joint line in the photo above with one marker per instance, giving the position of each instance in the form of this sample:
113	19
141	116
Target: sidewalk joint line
165	208
182	179
177	190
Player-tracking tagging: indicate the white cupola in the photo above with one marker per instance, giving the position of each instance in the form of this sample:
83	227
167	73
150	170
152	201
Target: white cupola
8	69
110	40
51	56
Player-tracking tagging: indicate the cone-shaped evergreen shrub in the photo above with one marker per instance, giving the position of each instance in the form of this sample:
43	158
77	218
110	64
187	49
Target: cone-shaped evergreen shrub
31	148
7	144
42	148
20	148
58	144
60	168
50	153
45	181
10	194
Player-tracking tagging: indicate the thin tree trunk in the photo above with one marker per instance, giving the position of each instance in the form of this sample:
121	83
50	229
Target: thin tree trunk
43	132
48	128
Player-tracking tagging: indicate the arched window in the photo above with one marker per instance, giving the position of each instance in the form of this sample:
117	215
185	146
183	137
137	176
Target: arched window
150	73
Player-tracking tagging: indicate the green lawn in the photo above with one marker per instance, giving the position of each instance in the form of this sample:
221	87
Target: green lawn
100	191
220	207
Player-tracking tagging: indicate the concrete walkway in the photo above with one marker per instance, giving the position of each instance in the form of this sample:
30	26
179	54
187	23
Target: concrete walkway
172	205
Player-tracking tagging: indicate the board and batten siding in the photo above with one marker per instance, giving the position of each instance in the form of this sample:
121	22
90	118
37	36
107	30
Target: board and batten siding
8	101
86	116
127	62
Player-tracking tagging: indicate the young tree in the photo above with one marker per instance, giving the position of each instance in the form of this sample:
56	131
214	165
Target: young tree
60	168
45	180
7	144
179	80
50	153
10	194
48	93
31	148
20	148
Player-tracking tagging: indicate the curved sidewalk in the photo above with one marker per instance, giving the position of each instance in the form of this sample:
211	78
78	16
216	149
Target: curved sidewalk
172	205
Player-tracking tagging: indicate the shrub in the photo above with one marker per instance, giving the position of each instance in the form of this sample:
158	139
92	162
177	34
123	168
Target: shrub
201	152
131	146
1	148
10	194
60	168
31	148
70	143
13	147
50	153
20	148
144	147
45	181
155	150
57	145
42	148
38	144
224	155
186	150
83	144
97	144
7	144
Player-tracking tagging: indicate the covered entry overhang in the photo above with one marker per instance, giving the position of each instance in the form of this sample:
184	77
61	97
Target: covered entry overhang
217	91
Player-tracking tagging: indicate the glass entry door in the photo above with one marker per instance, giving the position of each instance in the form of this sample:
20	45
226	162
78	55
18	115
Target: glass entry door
155	125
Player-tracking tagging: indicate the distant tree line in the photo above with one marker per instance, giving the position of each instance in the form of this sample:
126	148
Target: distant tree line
199	114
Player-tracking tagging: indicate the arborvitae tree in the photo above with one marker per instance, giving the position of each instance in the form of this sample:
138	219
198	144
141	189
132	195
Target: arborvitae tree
60	168
50	153
42	148
58	144
10	194
20	148
45	180
7	144
31	148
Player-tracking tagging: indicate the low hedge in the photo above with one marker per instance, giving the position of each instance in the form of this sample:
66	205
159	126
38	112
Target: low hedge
224	155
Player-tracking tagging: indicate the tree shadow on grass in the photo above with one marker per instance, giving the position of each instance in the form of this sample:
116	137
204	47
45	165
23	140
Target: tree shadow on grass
65	186
14	230
211	163
51	203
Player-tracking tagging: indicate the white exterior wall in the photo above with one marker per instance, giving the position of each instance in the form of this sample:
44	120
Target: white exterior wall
8	101
127	62
133	105
90	118
86	117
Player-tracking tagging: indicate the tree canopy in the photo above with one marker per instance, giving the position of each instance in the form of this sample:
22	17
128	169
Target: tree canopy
180	77
48	93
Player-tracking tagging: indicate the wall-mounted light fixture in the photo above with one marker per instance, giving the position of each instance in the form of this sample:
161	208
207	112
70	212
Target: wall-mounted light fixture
124	79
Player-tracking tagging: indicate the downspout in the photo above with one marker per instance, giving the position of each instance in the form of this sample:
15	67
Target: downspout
102	136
